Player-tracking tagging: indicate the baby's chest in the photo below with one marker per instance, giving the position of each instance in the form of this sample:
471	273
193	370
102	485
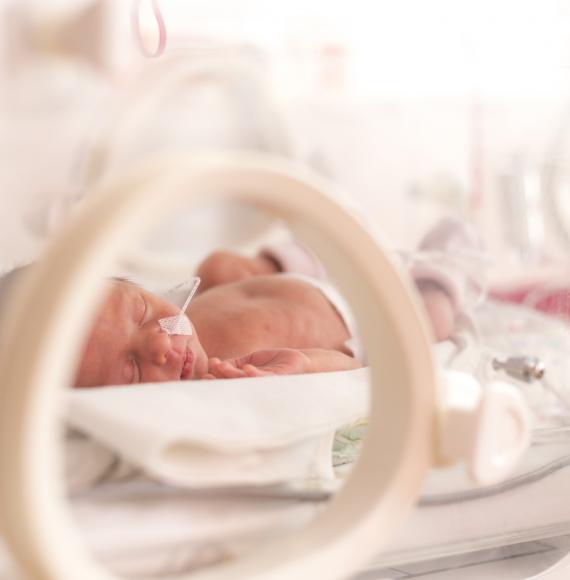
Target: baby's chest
296	315
272	312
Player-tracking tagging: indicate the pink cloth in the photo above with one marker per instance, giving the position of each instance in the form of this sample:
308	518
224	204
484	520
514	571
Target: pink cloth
544	297
451	255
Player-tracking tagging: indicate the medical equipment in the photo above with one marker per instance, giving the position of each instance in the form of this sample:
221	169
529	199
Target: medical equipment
523	211
536	200
529	369
525	368
556	181
180	324
162	33
488	429
396	456
255	186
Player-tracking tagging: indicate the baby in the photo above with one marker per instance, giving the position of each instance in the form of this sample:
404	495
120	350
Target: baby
249	319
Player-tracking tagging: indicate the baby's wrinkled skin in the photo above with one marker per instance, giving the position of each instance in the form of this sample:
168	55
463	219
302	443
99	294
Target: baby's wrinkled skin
246	321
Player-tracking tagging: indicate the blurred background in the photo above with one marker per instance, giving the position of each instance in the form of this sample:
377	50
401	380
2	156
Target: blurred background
418	109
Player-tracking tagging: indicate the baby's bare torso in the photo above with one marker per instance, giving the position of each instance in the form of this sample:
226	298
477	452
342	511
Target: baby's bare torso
266	312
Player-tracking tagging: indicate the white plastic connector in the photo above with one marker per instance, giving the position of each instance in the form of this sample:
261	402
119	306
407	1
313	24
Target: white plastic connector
488	426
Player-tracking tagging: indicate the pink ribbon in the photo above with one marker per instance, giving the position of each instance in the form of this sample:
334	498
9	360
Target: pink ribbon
136	24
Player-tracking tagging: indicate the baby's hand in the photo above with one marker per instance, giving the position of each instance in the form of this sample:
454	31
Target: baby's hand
276	361
439	309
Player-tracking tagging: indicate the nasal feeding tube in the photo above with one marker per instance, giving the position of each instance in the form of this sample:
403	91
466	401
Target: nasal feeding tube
180	324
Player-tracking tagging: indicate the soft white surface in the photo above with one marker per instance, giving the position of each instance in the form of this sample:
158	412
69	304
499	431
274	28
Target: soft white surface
257	430
140	527
273	429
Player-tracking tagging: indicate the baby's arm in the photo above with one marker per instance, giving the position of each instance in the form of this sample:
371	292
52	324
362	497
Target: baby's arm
439	309
281	361
224	267
449	273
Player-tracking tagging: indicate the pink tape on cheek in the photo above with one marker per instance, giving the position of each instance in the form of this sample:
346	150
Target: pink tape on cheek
176	325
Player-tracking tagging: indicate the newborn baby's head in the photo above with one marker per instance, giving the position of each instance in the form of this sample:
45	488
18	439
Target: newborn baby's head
128	346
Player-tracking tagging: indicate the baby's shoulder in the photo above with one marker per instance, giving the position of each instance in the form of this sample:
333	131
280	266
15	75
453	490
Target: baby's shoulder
280	287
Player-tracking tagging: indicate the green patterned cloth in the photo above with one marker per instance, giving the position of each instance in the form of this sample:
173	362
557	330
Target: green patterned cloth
347	445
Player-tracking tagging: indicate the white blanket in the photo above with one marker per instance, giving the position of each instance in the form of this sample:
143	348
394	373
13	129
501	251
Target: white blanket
269	430
223	432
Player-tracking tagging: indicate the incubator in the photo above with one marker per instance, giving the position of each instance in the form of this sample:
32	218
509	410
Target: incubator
183	128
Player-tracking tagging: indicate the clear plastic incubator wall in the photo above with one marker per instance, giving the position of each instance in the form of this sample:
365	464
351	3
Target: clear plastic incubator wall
181	172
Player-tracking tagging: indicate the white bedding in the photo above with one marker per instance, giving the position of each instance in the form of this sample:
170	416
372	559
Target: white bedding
223	432
141	527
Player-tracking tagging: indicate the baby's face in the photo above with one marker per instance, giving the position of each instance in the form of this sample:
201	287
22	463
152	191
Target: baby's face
127	345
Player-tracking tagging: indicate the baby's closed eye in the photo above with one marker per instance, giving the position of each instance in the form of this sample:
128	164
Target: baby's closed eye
141	310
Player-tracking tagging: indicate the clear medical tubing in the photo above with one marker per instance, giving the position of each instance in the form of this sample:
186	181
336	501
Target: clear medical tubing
60	296
555	179
180	324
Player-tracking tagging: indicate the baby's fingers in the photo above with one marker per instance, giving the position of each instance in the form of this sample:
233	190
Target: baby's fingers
227	370
253	371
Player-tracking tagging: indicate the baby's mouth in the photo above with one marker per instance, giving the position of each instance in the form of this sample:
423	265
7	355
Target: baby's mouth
187	365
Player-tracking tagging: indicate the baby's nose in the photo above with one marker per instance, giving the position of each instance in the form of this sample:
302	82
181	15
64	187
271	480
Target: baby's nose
157	347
